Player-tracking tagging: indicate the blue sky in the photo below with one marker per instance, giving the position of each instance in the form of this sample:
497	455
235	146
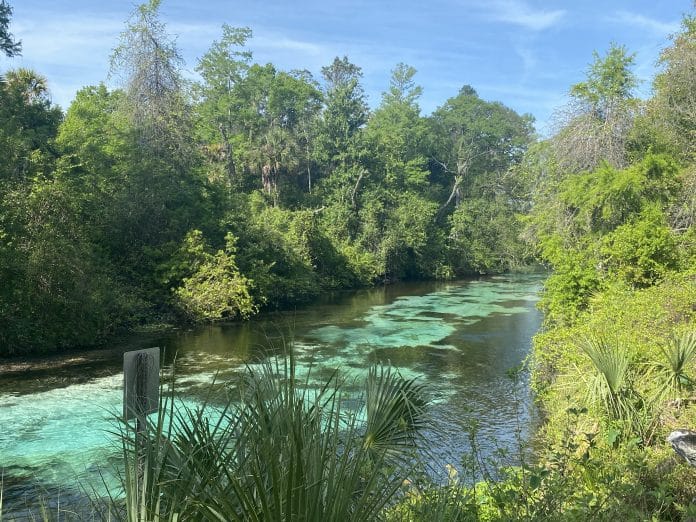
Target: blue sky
524	53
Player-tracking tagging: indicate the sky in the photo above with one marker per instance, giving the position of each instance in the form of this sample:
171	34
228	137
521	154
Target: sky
523	53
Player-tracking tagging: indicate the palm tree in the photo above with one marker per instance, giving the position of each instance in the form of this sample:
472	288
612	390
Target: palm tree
610	387
30	85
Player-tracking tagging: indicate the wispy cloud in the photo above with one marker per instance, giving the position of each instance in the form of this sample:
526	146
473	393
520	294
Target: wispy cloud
529	60
184	29
518	12
282	43
70	52
66	39
639	21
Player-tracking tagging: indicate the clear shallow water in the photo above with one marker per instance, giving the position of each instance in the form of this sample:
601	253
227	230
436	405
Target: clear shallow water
460	338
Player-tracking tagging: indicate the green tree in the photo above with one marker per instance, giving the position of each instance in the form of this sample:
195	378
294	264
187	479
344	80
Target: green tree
255	118
344	115
57	292
605	225
394	215
8	46
223	68
476	144
276	107
133	161
641	252
29	125
397	134
484	237
215	289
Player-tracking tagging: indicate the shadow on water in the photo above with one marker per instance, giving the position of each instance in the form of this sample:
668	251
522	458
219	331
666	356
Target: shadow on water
461	338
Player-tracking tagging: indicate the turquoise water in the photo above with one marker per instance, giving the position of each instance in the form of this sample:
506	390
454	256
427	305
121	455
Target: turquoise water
460	338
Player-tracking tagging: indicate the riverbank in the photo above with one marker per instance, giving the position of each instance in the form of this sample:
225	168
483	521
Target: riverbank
22	361
612	385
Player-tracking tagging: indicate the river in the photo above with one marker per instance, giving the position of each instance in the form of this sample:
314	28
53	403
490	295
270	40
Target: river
461	338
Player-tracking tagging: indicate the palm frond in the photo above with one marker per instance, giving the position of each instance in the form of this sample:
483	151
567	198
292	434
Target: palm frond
679	356
395	409
610	387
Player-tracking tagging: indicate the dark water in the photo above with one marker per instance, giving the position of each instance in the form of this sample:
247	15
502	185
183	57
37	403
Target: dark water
460	338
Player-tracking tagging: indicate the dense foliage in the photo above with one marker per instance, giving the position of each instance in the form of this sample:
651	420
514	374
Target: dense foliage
256	188
164	201
615	364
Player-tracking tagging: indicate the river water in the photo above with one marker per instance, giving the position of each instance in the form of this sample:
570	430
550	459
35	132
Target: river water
460	338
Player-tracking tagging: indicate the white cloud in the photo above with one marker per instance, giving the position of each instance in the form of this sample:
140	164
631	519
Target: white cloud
517	12
71	52
643	22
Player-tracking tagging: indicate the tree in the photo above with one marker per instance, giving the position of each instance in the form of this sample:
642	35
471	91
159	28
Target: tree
397	134
215	290
610	226
148	63
154	191
257	118
674	105
56	291
475	145
275	106
477	142
394	212
223	68
8	45
641	252
345	113
484	237
595	125
29	125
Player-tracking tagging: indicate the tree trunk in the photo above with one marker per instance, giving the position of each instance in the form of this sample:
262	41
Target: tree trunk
231	170
355	188
456	194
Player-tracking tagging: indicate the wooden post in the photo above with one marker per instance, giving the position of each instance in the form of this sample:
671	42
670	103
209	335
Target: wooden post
140	396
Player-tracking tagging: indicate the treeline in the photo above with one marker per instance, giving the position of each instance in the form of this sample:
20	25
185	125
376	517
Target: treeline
165	200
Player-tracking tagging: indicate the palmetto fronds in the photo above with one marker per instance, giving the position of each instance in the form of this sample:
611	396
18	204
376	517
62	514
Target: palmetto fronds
395	411
283	450
610	387
679	355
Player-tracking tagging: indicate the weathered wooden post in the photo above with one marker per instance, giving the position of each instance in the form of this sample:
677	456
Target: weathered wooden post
140	395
